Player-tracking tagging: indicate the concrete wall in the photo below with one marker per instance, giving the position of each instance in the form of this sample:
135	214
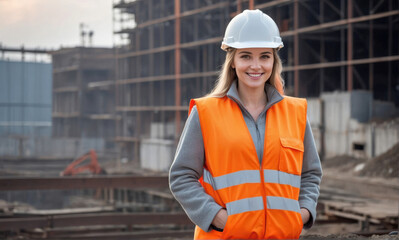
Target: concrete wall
163	131
48	147
385	135
156	154
336	122
314	112
347	126
376	138
360	141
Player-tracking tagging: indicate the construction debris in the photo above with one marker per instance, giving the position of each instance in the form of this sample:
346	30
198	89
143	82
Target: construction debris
385	165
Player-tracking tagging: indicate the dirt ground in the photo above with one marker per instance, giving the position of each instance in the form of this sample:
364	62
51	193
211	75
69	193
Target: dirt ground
339	231
349	236
374	180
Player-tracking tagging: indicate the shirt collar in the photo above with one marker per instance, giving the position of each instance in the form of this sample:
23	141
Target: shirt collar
273	96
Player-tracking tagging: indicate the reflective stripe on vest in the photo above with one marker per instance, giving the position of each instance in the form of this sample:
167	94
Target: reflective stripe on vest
280	203
274	176
232	179
251	176
244	205
256	203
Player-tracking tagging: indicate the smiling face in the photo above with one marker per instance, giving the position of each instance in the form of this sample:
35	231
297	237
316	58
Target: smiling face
253	66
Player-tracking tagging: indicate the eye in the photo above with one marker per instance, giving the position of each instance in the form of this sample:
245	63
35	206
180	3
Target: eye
265	56
245	56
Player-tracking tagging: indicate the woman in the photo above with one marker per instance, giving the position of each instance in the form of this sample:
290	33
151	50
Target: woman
246	165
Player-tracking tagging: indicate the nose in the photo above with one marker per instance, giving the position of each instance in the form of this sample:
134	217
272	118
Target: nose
255	64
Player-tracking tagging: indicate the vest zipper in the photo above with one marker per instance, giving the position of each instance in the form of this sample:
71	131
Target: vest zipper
258	143
262	176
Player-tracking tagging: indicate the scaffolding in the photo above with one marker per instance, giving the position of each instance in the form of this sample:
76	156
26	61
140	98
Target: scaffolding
173	55
84	93
339	45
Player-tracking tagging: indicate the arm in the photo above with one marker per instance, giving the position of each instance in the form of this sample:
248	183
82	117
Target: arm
185	171
310	178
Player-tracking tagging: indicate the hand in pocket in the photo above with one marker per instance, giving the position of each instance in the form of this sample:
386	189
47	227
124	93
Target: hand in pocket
220	219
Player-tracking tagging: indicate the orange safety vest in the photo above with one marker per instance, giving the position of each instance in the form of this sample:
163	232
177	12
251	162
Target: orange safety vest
261	201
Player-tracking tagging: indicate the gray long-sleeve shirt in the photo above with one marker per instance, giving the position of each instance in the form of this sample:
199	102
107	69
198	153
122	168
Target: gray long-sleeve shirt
188	164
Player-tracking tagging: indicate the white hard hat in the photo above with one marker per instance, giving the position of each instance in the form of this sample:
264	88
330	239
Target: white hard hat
252	29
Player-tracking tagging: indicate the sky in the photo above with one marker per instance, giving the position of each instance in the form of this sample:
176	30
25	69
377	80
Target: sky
51	24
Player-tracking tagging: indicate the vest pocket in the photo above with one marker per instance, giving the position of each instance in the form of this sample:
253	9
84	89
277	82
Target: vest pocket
291	154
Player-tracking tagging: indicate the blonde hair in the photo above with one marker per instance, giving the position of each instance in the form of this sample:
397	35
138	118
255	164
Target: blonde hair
227	75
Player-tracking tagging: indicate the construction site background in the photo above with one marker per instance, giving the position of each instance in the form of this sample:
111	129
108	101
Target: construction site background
129	103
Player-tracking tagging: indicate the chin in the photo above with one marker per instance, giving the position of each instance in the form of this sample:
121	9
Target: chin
256	84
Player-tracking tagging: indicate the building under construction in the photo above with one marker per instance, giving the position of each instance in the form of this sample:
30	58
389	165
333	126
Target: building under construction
83	93
172	53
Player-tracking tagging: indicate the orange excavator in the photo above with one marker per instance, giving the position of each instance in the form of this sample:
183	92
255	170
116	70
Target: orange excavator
93	166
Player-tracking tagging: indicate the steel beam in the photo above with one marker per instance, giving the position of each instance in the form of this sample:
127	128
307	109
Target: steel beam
338	23
371	54
251	4
342	48
151	108
75	220
390	48
273	4
120	218
23	223
133	182
349	47
239	6
25	50
341	63
177	67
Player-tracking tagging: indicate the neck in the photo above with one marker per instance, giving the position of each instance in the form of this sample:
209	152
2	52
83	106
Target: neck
252	97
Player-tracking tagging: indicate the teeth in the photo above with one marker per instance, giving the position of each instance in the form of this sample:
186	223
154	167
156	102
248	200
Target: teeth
254	74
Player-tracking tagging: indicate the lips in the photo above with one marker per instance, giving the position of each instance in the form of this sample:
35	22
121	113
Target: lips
255	75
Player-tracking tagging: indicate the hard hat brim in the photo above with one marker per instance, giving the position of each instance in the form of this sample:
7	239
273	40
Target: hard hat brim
252	45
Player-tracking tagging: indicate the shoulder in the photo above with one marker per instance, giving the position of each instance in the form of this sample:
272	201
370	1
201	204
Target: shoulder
295	102
205	102
210	100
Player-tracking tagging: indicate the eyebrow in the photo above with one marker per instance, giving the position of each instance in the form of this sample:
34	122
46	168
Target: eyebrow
245	52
